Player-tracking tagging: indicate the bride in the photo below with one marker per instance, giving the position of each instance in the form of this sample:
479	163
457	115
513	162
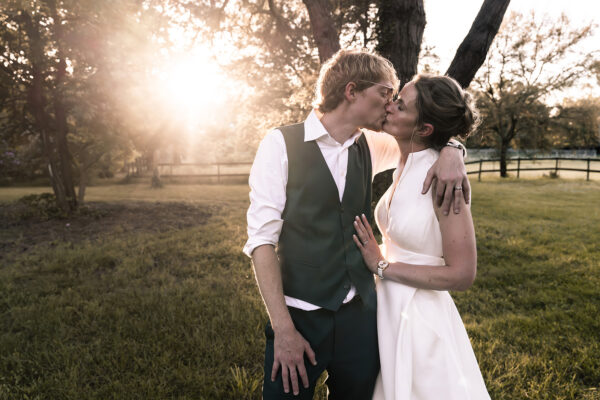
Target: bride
424	349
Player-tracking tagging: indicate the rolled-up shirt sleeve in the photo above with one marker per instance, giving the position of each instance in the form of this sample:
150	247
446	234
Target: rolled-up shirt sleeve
268	180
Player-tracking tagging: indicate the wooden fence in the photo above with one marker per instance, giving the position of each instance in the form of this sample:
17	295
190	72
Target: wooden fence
206	170
555	168
518	165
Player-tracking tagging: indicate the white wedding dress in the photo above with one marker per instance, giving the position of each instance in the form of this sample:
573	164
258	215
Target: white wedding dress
424	349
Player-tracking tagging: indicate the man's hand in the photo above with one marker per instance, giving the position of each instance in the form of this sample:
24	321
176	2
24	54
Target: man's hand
451	175
289	348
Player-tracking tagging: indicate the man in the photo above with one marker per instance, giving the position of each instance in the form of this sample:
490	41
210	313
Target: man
308	182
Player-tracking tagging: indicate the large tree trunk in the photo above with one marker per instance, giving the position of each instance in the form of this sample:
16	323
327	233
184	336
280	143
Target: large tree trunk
64	155
51	143
400	33
323	28
473	50
60	116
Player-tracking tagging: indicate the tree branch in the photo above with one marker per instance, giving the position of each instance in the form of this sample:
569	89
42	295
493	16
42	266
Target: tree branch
473	50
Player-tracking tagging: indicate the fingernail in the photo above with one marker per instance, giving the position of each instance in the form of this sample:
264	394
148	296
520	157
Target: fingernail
445	212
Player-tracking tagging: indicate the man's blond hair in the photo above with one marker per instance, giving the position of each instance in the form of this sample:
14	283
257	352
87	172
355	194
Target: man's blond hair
358	66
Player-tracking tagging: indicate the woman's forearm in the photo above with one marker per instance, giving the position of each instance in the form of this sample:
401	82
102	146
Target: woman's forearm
444	277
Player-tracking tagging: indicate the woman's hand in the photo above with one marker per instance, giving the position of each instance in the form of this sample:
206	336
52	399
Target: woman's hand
365	240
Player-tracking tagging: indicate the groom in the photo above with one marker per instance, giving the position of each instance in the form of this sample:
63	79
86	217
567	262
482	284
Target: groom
308	182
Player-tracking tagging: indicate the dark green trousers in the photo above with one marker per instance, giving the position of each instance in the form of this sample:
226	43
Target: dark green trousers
345	344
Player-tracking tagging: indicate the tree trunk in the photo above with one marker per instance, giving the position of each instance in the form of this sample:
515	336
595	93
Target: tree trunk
37	103
62	146
503	153
473	50
400	33
60	115
323	28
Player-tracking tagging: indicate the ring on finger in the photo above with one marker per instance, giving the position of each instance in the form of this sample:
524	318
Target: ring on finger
458	188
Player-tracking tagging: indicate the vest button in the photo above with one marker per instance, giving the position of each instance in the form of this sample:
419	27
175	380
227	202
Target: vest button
341	209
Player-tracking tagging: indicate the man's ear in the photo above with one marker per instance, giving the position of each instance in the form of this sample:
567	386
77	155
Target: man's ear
350	91
425	130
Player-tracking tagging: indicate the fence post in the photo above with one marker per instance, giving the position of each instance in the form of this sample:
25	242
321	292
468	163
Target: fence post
588	170
518	167
479	176
556	167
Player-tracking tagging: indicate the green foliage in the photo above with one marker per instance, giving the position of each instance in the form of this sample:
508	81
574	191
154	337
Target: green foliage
159	302
39	206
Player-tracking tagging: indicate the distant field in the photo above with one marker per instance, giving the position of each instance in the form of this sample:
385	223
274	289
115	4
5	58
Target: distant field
148	296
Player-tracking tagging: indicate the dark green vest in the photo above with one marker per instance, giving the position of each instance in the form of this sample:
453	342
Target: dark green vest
319	260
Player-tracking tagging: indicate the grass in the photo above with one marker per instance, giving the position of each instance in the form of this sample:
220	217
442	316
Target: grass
144	300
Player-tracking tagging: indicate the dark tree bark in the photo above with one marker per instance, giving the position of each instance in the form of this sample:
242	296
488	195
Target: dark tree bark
52	127
473	50
61	128
323	28
400	33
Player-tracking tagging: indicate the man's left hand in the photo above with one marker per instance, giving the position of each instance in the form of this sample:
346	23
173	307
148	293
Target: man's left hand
451	175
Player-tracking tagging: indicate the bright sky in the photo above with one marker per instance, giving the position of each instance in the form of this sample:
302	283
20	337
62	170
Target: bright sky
448	22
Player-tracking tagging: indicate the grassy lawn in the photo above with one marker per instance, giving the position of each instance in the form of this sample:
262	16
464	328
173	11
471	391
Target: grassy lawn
148	296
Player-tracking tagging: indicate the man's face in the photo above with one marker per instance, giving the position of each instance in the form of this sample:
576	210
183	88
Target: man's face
370	105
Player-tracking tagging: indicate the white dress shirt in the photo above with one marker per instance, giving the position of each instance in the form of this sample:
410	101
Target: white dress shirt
269	174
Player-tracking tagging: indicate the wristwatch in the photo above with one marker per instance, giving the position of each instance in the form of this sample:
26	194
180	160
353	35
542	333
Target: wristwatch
456	145
381	266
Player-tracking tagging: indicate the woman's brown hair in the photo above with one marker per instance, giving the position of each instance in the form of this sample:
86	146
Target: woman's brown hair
442	103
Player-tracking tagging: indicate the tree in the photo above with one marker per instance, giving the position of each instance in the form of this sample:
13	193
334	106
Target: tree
31	31
60	72
576	123
530	60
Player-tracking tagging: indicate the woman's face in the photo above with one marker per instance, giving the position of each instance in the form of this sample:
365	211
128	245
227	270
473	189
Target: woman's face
402	115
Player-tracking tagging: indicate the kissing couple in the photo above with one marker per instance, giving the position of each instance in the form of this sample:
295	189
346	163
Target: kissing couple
378	318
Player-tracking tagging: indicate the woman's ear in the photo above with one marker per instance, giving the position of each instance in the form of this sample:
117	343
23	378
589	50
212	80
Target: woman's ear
425	130
350	91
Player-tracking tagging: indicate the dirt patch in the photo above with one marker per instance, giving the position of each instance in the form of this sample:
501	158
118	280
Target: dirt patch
94	221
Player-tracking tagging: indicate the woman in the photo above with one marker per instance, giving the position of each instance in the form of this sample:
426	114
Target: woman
424	349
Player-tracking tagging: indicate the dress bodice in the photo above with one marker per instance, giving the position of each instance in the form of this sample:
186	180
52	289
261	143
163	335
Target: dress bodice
406	218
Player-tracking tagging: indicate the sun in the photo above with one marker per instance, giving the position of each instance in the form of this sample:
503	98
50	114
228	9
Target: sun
192	85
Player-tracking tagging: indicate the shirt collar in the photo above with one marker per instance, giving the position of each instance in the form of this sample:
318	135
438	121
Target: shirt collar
314	129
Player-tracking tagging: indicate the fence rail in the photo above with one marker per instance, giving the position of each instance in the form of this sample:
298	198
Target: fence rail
206	170
242	169
557	167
